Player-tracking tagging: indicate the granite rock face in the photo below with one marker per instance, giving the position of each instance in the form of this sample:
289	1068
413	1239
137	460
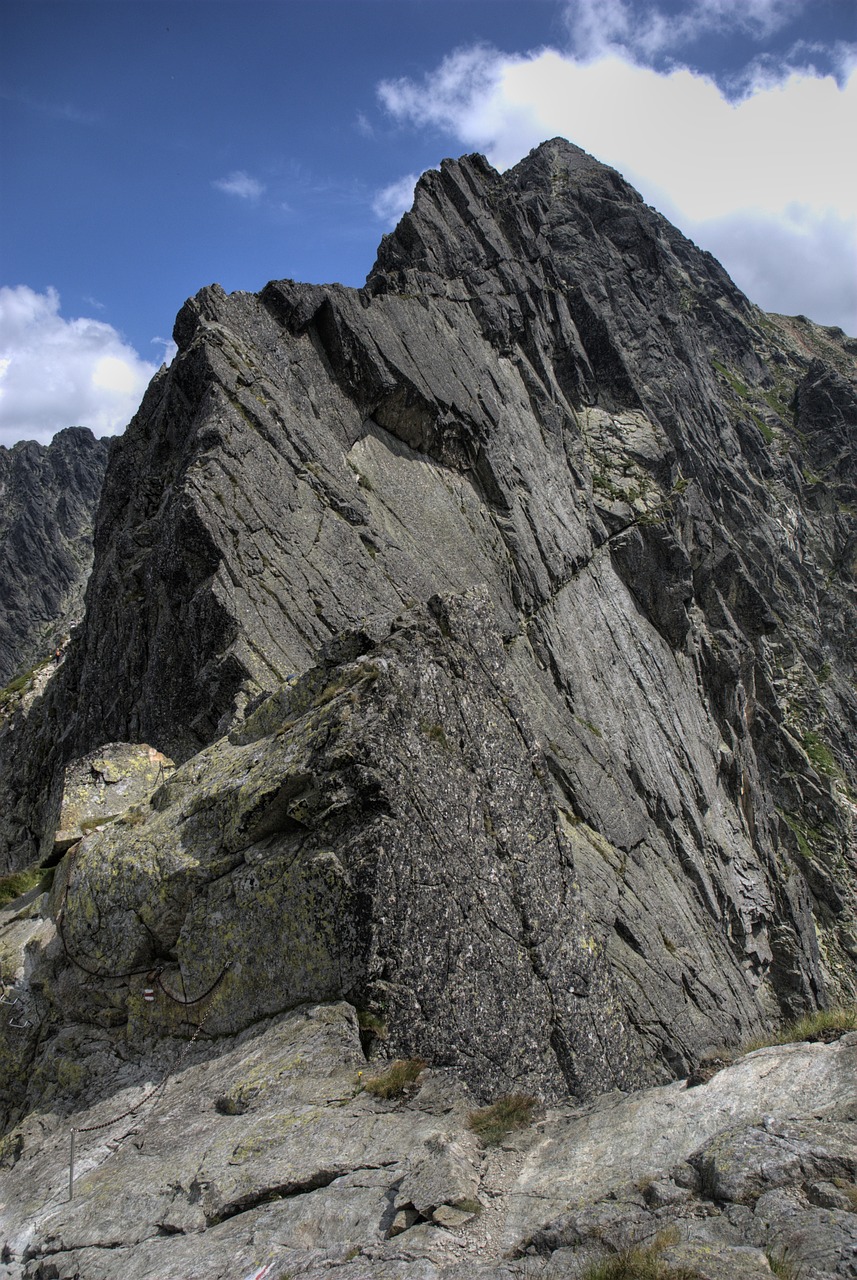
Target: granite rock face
265	1150
104	785
381	830
48	499
501	619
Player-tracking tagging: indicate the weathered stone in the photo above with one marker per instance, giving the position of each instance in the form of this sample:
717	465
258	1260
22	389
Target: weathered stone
404	1219
307	1177
447	1175
393	800
48	498
570	422
501	617
841	1194
720	1262
105	784
742	1163
662	1192
655	1131
819	1242
446	1215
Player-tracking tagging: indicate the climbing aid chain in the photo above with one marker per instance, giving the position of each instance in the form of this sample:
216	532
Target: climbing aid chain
158	1088
154	979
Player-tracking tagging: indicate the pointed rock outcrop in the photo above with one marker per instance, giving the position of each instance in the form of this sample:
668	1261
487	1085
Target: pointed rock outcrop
614	769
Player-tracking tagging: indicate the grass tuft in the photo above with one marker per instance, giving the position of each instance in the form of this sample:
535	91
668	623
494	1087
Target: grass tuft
640	1262
824	1024
20	882
492	1124
782	1266
393	1082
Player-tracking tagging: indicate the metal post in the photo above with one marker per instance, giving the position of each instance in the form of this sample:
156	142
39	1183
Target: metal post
71	1167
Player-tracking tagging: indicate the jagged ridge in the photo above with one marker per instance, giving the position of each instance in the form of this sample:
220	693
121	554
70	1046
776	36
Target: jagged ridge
546	392
48	497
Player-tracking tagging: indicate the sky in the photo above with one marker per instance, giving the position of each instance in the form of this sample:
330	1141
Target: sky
151	147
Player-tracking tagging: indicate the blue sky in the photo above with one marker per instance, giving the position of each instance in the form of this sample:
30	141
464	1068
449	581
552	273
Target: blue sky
152	147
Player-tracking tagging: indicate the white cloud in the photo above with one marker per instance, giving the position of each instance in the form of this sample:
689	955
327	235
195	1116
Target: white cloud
597	27
392	201
789	264
363	125
238	183
169	349
776	158
57	373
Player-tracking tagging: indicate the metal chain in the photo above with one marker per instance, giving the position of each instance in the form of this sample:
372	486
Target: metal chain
130	973
158	1088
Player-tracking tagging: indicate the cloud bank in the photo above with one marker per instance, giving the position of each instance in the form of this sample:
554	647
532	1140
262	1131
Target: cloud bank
761	178
57	373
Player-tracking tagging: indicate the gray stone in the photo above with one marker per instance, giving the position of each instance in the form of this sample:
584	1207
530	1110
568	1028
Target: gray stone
742	1163
308	1176
548	420
48	499
661	1192
446	1175
500	616
821	1242
446	1215
104	785
833	1195
404	1219
724	1262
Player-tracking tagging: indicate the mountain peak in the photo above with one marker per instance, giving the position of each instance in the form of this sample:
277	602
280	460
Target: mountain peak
499	617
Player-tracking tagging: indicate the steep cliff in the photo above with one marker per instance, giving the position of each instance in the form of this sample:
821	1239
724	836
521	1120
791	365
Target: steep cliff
48	498
570	797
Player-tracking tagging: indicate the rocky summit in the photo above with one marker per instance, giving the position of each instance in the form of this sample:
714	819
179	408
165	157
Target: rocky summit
463	716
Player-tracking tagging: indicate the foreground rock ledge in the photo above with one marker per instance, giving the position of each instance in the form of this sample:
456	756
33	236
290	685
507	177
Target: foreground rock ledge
273	1154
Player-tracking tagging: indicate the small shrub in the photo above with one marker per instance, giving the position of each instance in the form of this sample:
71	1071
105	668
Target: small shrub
492	1124
435	732
393	1082
820	754
850	1191
133	817
469	1205
371	1022
372	1029
91	824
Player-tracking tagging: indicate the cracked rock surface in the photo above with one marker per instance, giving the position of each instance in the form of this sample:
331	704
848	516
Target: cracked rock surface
48	500
267	1150
500	617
